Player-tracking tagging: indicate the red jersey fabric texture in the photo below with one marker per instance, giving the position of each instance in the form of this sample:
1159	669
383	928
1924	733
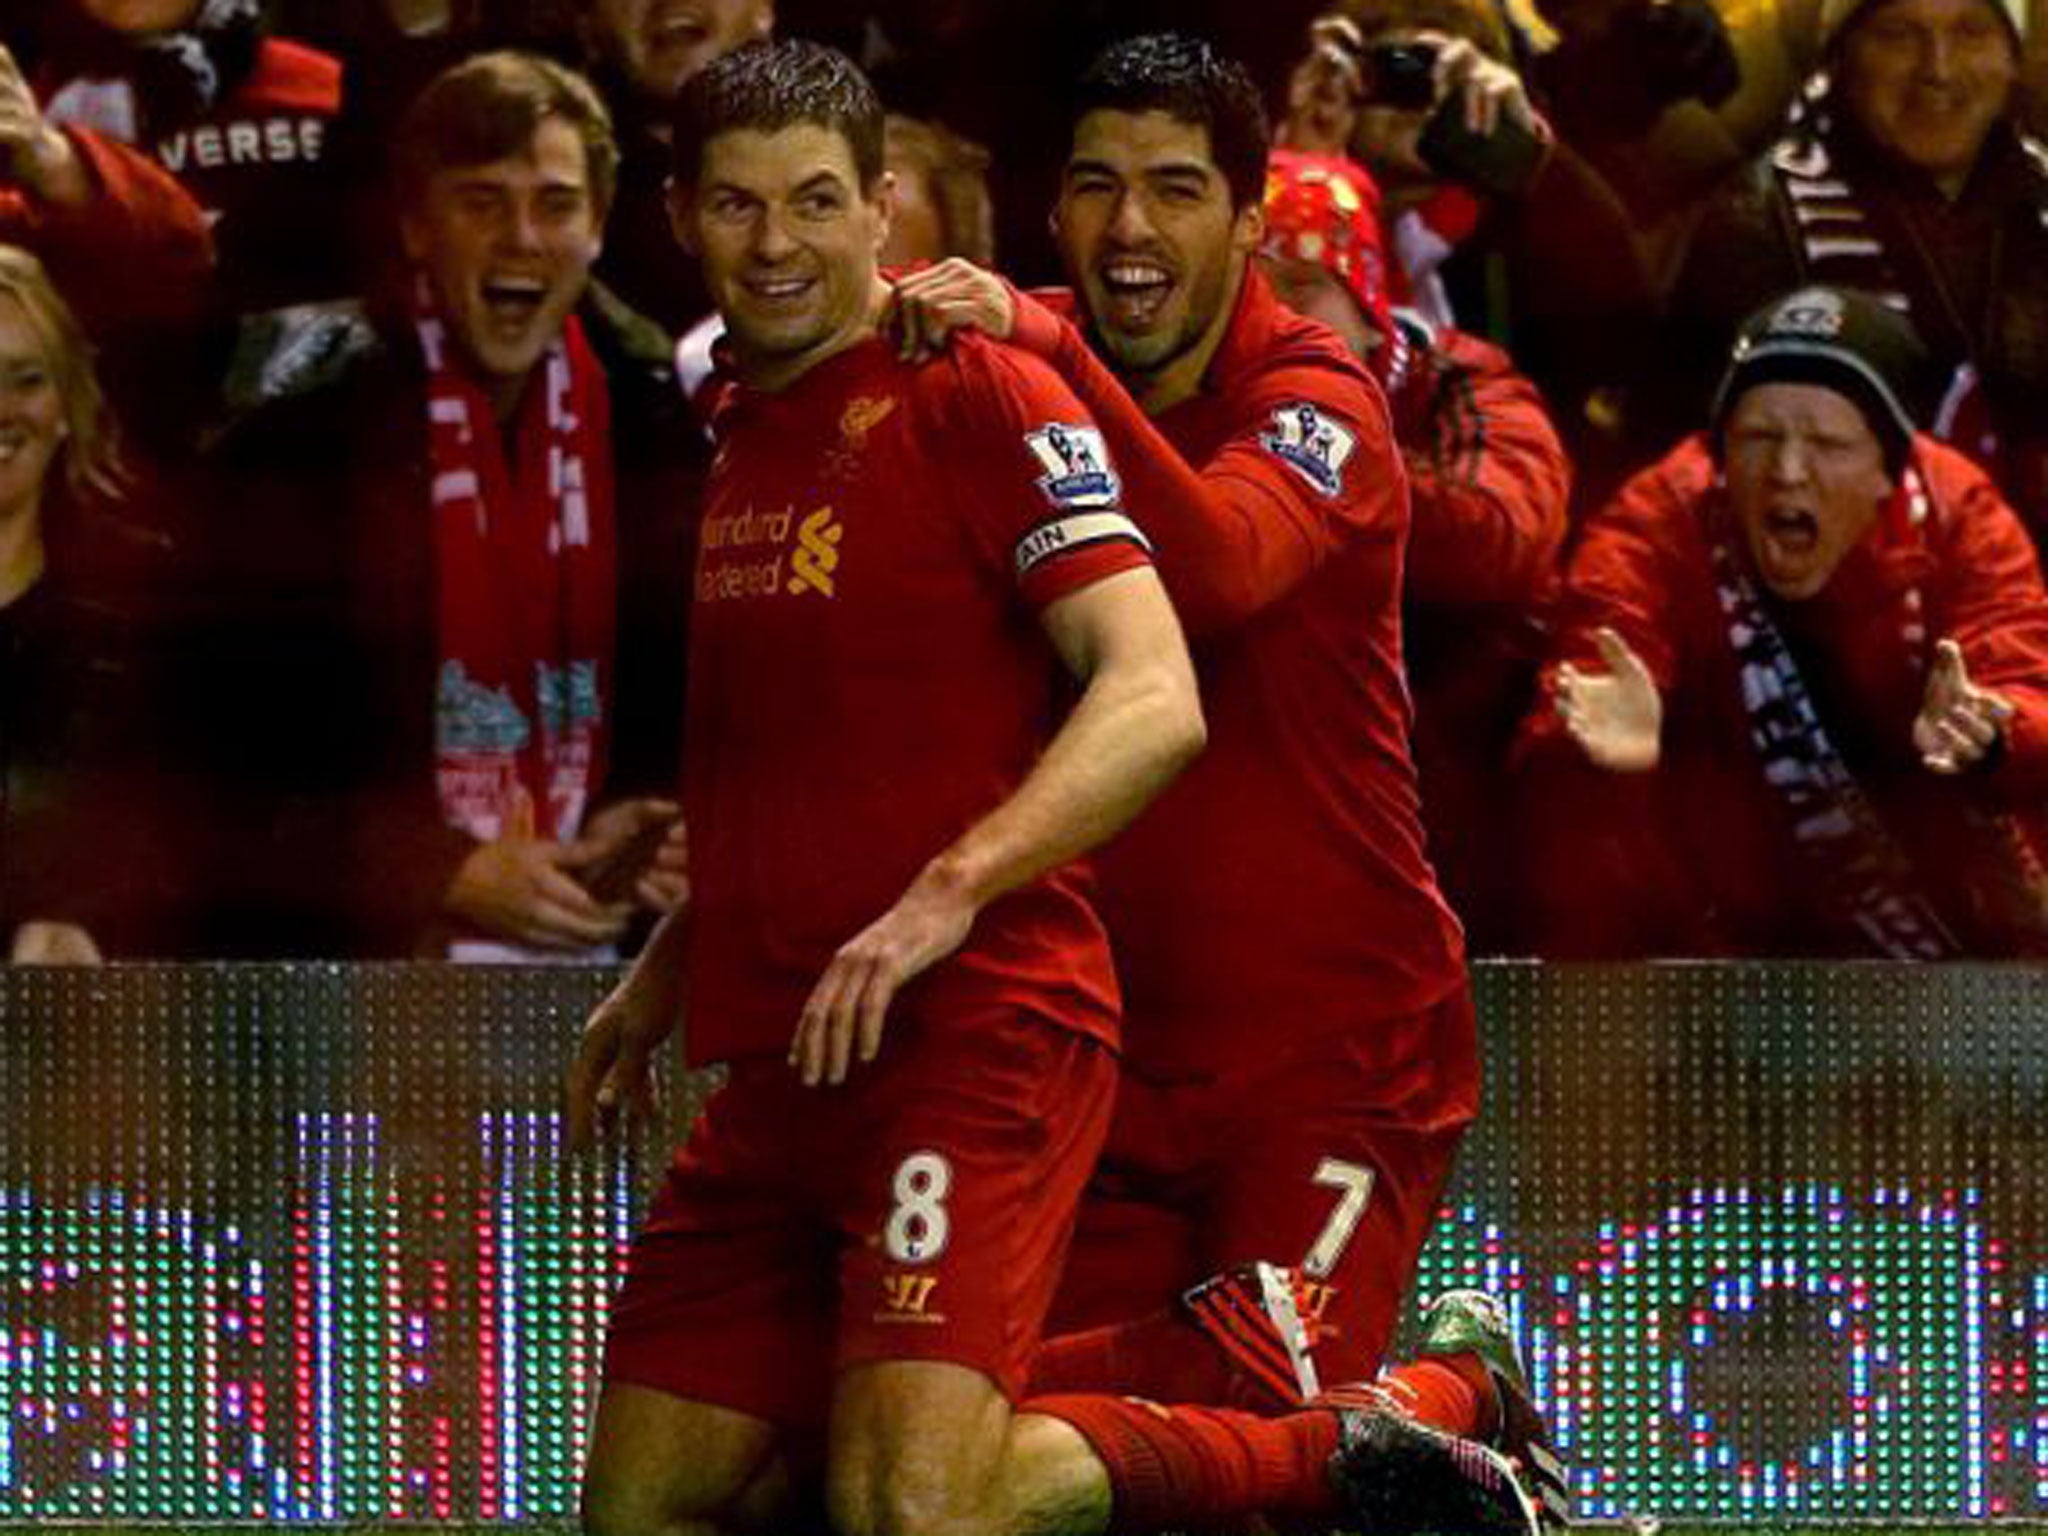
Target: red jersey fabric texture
921	1211
868	678
1489	483
139	221
1697	857
1278	890
1488	478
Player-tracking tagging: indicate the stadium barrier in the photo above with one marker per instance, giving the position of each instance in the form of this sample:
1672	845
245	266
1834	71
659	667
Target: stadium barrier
299	1243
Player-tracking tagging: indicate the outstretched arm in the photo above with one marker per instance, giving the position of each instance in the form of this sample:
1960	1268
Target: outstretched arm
1245	529
98	214
1985	708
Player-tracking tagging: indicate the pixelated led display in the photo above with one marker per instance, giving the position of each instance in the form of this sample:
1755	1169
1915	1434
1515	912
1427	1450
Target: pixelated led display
301	1243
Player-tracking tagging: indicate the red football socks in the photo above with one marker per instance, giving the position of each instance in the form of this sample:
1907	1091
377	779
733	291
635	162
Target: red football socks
1185	1468
1452	1393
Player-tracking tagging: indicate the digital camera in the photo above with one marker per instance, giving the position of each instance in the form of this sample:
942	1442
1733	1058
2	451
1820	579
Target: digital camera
1401	74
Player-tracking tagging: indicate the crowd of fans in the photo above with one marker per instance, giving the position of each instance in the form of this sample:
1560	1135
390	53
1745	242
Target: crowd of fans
313	645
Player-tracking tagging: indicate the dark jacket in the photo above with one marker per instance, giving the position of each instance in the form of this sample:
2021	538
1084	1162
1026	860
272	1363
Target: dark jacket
244	121
1967	270
320	559
90	763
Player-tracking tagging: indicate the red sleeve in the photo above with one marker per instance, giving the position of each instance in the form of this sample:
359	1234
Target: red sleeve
1047	502
140	250
1990	600
1625	576
1489	484
1603	882
1245	529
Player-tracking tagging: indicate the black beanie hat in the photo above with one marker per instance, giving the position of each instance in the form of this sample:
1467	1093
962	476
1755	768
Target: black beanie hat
1841	340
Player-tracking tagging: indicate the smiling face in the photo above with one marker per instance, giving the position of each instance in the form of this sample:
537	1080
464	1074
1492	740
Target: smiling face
790	243
1152	245
32	424
1806	478
660	44
507	248
1927	79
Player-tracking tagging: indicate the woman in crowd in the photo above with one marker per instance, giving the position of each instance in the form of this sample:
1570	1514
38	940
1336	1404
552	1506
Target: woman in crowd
82	867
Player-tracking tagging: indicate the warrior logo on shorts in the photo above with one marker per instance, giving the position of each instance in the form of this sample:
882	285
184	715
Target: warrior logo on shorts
1312	445
1077	474
909	1296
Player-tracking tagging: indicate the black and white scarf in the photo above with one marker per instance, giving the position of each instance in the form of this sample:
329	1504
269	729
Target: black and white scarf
1838	244
1842	836
1839	833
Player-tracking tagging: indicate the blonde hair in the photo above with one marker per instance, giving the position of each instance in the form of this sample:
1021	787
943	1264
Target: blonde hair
955	169
91	455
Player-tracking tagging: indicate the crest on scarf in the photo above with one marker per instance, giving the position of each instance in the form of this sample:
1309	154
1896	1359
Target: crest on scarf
471	717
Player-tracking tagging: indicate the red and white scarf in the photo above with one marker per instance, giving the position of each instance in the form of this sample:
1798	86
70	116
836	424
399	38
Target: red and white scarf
525	551
1422	239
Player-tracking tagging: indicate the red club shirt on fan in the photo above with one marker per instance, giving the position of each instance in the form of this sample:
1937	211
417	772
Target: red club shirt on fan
1278	891
868	678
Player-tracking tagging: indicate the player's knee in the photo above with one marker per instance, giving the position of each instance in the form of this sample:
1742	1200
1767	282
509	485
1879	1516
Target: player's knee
609	1508
905	1501
618	1506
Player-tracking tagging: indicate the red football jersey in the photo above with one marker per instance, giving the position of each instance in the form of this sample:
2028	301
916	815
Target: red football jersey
868	678
1277	890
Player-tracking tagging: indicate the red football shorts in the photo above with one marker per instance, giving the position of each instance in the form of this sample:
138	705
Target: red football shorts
1311	1161
921	1211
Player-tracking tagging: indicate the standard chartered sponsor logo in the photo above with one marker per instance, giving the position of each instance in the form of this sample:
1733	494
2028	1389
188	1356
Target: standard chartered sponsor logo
817	553
747	554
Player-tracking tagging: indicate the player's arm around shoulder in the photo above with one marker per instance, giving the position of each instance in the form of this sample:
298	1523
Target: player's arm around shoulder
1309	470
1322	437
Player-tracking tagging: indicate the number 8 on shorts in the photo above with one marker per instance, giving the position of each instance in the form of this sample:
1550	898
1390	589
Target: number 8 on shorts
918	1228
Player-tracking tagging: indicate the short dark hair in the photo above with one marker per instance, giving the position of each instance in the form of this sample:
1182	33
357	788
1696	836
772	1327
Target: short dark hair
773	84
488	108
1191	82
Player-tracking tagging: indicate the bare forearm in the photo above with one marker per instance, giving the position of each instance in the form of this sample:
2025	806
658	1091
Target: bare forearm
1126	739
657	971
1137	722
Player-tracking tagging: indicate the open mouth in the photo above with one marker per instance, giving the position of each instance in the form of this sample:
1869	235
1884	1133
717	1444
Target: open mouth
512	303
13	442
1792	532
1136	292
